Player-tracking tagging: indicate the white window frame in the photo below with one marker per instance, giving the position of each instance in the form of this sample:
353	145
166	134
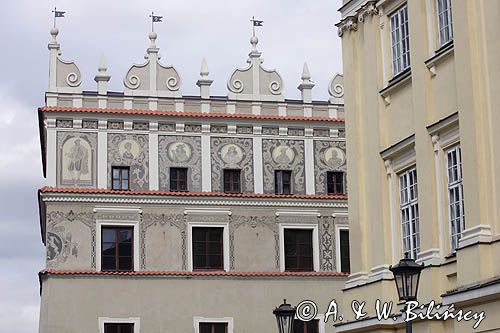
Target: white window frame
338	228
456	223
113	223
400	34
132	320
225	239
408	206
226	320
321	322
445	31
315	242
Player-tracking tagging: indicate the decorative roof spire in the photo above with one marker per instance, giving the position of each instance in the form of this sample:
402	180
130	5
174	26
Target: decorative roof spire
306	86
102	77
204	82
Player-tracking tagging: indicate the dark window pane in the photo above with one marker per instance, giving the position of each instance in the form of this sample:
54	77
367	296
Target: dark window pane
232	181
117	250
125	249
207	248
220	328
345	265
298	249
125	263
118	328
108	263
125	235
283	181
205	328
108	235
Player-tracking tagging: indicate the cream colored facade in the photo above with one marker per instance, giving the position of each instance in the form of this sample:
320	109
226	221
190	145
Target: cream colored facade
396	121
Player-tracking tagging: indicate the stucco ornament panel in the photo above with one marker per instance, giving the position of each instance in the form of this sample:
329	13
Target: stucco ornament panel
282	154
130	150
68	74
254	81
254	221
180	151
76	159
60	245
175	220
336	89
326	232
232	153
328	156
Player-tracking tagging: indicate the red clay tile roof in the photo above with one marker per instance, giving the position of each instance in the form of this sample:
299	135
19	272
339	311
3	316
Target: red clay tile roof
185	114
188	194
194	273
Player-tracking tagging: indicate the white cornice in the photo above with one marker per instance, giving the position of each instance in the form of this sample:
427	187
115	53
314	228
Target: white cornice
130	199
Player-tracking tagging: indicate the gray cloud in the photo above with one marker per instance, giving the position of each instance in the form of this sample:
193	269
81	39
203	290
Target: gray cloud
294	31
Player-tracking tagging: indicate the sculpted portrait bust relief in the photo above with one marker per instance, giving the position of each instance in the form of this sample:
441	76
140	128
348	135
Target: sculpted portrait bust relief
283	155
334	157
231	154
179	152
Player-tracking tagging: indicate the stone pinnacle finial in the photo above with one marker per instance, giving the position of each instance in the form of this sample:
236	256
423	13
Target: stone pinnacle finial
254	41
152	37
54	32
204	69
306	75
306	86
102	64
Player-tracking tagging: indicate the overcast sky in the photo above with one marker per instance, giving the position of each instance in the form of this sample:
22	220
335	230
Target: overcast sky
294	31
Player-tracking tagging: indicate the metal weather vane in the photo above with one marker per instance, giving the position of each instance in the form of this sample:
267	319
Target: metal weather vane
57	13
155	19
255	23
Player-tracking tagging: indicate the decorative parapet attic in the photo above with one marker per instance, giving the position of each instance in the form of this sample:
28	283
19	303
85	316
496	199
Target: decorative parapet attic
153	85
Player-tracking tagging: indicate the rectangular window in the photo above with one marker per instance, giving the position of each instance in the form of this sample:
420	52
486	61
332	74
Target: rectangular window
311	326
345	261
121	177
178	179
118	328
232	181
335	182
208	248
117	244
298	250
445	23
283	181
409	212
455	195
213	327
400	40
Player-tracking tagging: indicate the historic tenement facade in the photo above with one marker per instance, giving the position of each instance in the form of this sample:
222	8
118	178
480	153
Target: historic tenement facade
422	82
172	213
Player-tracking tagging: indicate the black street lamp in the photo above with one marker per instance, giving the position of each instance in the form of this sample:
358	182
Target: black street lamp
285	315
407	276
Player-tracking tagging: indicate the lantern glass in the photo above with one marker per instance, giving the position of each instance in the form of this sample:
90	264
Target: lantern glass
285	315
407	276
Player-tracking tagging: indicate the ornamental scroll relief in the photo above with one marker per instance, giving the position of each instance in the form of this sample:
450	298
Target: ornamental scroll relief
60	245
180	151
282	154
130	150
232	153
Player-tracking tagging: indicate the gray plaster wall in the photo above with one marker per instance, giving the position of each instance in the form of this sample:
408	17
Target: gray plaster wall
73	305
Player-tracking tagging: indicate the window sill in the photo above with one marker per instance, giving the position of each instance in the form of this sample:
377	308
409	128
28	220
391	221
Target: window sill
394	83
442	53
